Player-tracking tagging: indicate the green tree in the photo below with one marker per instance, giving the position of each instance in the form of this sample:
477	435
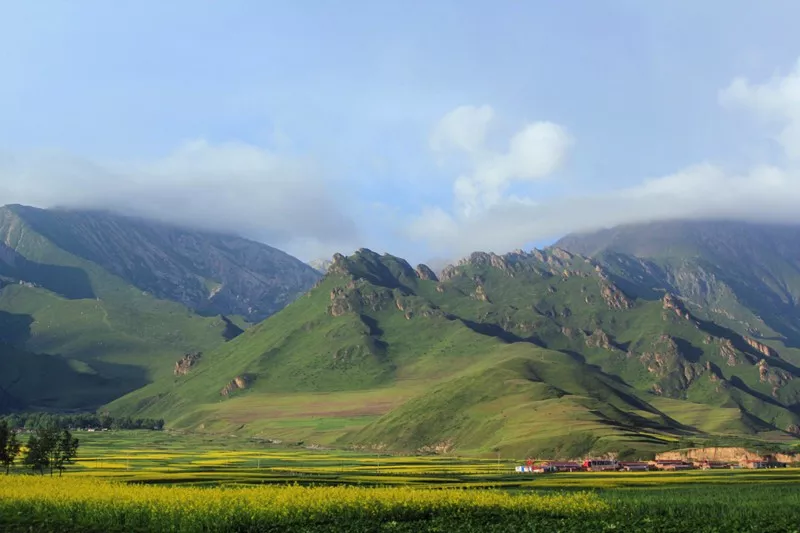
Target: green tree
9	446
51	448
66	449
36	456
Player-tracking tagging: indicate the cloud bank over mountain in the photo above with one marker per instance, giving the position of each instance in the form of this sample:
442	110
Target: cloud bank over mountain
230	187
486	215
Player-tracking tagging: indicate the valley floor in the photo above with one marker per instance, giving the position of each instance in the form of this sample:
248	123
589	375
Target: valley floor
156	481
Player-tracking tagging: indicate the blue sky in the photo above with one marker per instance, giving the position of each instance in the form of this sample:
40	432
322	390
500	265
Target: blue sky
425	129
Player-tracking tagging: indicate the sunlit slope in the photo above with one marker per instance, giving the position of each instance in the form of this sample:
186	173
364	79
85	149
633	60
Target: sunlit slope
525	352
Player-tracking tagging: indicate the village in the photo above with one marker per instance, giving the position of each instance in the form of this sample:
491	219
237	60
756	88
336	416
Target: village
610	465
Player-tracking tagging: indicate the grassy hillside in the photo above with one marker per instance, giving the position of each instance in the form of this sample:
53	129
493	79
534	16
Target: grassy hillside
60	311
526	353
547	352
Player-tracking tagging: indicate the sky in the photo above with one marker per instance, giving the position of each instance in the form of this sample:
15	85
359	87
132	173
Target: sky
423	129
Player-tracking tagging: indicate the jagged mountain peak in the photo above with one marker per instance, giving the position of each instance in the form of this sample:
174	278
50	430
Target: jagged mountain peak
385	269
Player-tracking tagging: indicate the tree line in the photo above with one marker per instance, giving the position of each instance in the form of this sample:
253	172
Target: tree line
49	448
34	421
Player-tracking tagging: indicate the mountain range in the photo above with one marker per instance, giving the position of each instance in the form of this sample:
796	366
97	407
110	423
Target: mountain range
625	340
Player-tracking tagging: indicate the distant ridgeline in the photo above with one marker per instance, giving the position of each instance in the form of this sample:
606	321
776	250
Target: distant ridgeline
33	421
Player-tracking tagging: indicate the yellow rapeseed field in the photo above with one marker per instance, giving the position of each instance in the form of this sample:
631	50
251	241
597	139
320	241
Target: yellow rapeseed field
84	502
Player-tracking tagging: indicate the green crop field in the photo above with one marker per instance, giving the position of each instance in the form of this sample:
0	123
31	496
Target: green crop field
160	481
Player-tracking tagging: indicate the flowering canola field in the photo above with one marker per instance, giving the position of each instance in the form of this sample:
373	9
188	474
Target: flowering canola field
91	504
82	503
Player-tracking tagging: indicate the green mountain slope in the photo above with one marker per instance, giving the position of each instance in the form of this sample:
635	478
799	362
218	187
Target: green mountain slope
75	334
743	275
524	353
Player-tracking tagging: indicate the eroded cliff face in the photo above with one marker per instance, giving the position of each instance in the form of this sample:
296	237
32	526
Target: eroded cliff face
724	454
671	302
424	272
776	377
760	347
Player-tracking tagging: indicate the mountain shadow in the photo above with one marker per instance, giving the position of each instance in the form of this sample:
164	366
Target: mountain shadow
15	329
69	282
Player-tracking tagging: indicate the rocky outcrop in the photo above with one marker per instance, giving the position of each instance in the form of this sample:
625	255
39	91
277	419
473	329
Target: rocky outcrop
186	363
614	298
599	339
358	296
340	303
561	254
728	352
774	376
492	260
338	265
763	371
713	372
668	364
424	272
480	294
236	384
760	347
671	302
448	273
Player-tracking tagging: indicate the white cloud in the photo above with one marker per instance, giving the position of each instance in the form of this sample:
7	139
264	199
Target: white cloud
777	100
231	187
704	191
463	128
497	221
536	151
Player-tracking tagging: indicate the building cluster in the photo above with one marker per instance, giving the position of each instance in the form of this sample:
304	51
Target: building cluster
609	465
